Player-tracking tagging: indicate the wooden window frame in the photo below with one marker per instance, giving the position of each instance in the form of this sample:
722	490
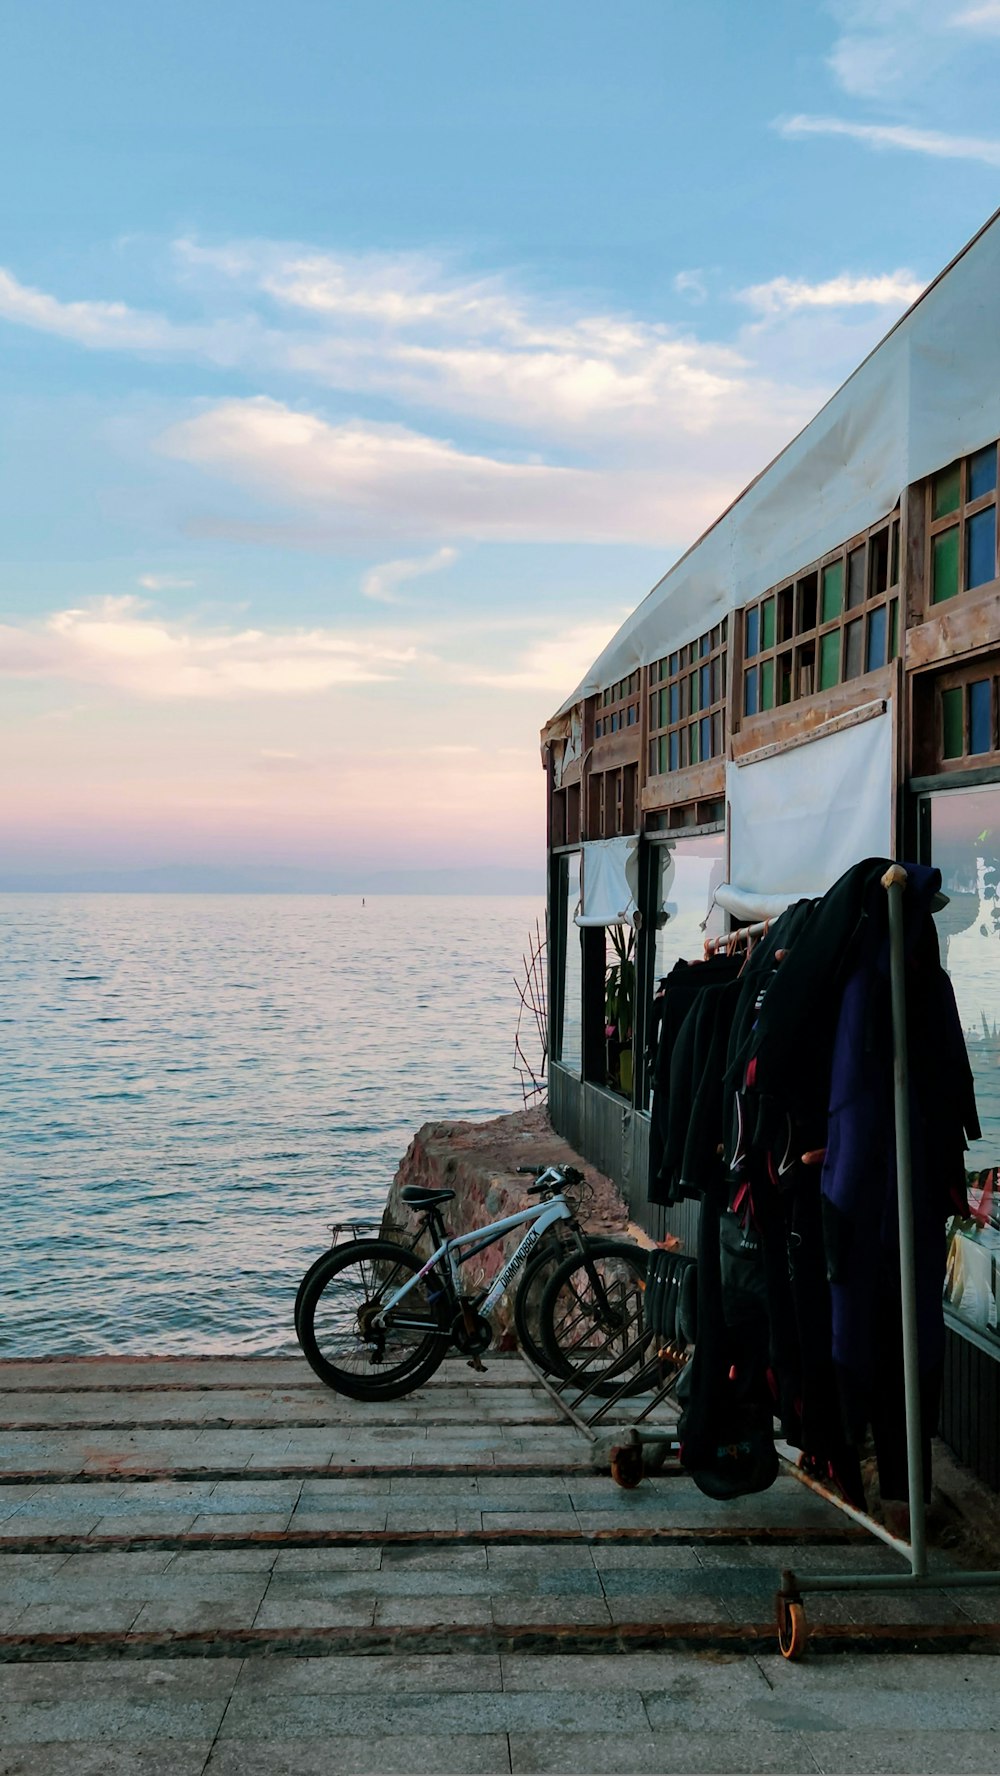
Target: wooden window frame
958	520
929	719
799	629
675	672
616	704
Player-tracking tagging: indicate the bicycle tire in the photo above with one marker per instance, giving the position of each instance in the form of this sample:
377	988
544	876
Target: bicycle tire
528	1300
310	1273
339	1291
587	1329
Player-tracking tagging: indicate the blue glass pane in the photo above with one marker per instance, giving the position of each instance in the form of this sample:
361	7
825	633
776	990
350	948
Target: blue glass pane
706	686
876	640
982	472
675	741
980	717
750	692
706	737
980	548
675	703
752	632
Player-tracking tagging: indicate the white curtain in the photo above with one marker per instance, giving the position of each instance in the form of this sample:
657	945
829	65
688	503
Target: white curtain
799	819
610	882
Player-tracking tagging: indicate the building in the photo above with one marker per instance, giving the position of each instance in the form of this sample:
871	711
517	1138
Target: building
814	682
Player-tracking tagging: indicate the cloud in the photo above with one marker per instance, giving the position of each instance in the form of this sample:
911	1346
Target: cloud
692	285
380	583
163	583
403	329
398	479
783	295
554	662
936	143
983	19
892	49
114	642
99	325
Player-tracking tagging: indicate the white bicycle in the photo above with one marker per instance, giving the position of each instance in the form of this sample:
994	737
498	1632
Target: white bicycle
375	1321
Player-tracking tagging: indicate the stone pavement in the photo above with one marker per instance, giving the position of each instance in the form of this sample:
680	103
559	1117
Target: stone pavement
219	1566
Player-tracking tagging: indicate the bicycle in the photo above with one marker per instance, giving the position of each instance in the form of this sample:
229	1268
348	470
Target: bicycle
374	1322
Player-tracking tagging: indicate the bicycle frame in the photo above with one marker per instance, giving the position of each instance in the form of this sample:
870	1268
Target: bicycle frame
544	1215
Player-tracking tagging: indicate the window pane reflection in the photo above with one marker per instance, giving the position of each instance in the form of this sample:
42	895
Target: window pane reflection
571	1047
965	846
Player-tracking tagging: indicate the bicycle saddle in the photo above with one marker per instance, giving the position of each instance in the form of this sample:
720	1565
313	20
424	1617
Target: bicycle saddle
422	1199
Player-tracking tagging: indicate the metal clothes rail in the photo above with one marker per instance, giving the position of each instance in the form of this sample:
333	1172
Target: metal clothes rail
789	1607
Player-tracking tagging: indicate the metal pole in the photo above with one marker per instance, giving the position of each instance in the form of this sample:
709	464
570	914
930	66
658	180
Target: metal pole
894	881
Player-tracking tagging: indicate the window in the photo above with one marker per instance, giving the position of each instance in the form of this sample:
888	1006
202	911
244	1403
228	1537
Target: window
618	706
570	999
833	623
960	833
687	704
955	718
688	870
962	526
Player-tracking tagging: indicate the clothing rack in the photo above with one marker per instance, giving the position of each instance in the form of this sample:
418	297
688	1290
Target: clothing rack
789	1607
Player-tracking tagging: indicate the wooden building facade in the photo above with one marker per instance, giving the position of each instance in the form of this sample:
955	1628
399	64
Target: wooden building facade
817	680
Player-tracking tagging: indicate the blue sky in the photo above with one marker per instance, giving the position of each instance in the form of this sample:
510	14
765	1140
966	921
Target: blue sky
363	365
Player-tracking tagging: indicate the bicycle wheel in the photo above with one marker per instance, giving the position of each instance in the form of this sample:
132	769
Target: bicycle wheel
316	1265
591	1319
341	1300
528	1300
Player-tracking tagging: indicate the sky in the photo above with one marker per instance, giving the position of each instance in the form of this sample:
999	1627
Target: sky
363	363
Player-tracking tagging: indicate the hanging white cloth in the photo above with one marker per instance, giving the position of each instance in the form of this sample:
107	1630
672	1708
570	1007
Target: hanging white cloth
609	882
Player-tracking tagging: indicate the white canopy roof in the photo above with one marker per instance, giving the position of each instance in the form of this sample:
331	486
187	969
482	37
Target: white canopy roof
928	393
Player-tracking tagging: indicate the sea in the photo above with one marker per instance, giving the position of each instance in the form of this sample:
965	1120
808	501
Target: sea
194	1088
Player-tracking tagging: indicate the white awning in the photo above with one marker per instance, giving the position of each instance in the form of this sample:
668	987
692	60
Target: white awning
609	882
799	819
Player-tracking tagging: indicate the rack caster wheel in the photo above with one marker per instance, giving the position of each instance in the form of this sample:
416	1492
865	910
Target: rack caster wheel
792	1630
627	1464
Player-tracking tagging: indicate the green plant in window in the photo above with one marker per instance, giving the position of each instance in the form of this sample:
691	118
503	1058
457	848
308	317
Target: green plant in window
619	1008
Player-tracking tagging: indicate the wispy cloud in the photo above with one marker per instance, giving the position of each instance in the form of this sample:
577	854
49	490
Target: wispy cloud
937	143
404	330
784	295
692	285
116	643
412	483
983	19
382	583
163	583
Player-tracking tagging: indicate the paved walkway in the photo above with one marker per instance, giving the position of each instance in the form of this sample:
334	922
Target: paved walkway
220	1566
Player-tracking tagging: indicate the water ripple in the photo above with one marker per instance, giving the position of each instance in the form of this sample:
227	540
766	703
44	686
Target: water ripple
166	1186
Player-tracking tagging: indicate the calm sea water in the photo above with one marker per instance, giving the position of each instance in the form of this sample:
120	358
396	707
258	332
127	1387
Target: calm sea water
194	1087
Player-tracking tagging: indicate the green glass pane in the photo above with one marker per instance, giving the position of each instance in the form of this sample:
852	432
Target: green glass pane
693	743
946	491
767	684
833	591
944	570
829	660
767	624
953	723
693	704
664	710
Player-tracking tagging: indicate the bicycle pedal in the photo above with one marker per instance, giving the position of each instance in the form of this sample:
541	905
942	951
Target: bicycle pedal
477	1364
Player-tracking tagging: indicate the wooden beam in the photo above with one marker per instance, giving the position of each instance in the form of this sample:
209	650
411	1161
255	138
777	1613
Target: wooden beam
698	783
965	625
795	722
